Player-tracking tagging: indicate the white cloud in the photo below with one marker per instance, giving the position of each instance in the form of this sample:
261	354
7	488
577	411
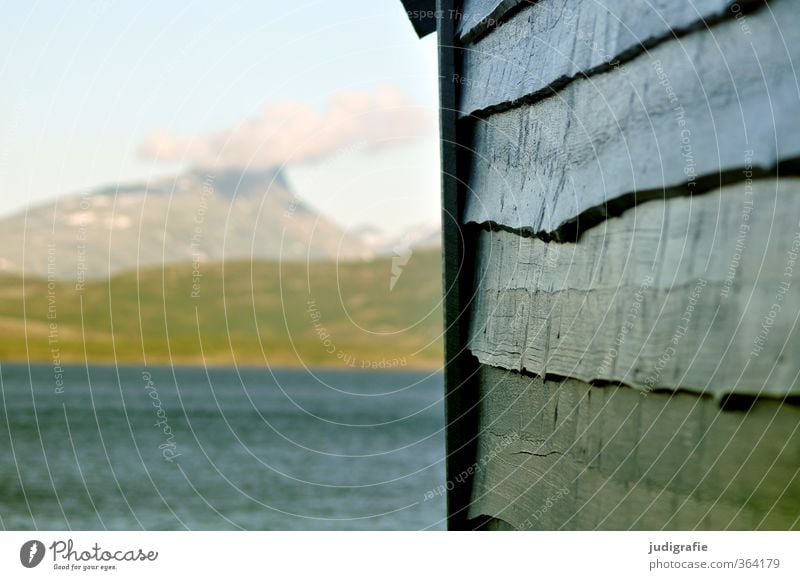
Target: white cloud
294	132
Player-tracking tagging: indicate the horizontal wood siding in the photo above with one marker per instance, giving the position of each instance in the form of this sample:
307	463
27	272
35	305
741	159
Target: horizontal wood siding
566	455
679	119
627	212
694	293
552	41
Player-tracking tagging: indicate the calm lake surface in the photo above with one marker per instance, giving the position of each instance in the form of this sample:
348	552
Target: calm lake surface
218	449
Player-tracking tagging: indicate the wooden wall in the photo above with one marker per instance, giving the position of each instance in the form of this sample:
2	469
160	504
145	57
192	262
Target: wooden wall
623	271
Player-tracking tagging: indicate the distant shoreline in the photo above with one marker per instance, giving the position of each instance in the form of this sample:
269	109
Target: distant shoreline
199	364
245	314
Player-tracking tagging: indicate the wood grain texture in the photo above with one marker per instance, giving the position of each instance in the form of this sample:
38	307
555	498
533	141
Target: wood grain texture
699	294
674	121
552	41
567	455
476	17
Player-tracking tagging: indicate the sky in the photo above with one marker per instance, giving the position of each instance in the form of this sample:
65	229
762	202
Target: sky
104	92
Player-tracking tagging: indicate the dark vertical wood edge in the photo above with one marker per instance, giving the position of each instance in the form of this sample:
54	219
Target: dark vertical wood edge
460	375
421	14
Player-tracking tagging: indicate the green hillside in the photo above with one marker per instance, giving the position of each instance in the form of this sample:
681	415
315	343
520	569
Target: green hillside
320	314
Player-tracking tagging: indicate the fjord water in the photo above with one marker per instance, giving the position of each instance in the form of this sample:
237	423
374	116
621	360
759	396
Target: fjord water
125	448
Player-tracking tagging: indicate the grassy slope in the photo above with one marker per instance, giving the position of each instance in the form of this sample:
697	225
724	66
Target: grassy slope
248	313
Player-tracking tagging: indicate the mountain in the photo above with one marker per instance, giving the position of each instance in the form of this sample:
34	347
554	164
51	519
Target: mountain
196	217
343	314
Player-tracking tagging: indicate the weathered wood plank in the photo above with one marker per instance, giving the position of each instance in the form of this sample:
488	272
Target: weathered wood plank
674	121
478	16
695	293
566	455
552	41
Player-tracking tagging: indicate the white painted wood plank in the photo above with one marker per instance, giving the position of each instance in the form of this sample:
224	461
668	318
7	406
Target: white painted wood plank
567	455
475	17
699	294
553	41
673	119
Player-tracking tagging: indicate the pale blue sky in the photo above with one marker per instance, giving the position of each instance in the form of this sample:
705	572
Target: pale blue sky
85	83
